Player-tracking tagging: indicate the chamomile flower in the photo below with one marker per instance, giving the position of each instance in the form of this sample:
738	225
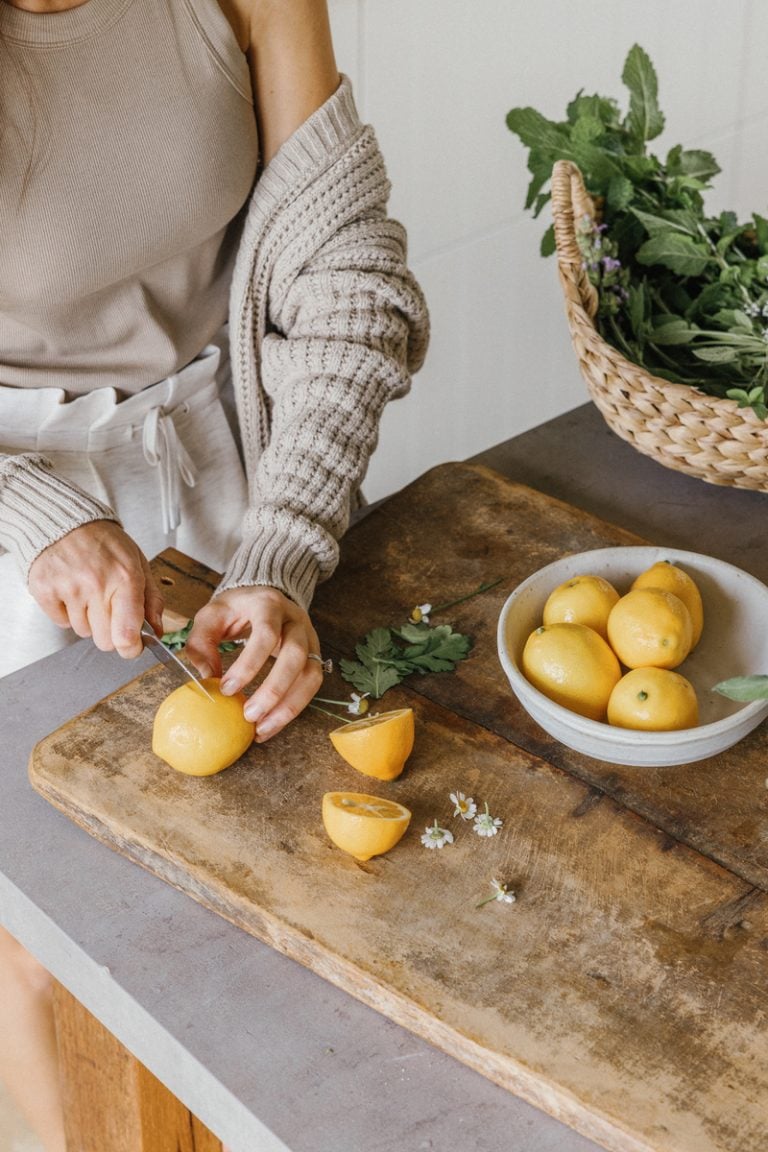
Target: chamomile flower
436	837
359	704
487	825
420	614
463	806
500	892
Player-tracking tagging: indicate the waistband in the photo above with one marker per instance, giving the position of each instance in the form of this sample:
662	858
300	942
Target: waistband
42	419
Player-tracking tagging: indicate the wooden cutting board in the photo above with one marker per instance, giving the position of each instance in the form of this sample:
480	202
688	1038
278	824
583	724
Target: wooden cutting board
622	993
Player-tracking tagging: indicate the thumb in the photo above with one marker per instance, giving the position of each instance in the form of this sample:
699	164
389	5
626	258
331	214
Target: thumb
202	647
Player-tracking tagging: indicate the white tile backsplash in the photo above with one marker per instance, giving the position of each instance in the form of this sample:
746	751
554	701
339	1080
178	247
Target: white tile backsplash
436	78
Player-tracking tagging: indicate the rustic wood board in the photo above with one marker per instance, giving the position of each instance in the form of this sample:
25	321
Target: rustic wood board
460	525
623	992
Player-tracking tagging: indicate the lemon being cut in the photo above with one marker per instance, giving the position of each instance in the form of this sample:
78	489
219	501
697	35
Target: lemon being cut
199	736
364	826
654	700
572	665
581	600
377	745
665	574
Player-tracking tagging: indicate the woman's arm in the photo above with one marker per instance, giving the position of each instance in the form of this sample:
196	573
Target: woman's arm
293	72
290	53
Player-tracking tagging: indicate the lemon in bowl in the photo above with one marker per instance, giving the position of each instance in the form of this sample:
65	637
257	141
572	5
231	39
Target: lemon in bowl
733	643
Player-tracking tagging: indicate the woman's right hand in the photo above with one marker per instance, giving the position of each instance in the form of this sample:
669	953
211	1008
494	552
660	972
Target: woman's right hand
97	581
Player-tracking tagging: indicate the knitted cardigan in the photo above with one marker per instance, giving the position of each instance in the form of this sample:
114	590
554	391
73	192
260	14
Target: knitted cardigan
326	324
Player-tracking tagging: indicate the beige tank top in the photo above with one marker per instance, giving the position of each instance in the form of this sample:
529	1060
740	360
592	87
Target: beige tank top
128	148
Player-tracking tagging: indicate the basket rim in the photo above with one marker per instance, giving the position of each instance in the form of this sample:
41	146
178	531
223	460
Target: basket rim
567	180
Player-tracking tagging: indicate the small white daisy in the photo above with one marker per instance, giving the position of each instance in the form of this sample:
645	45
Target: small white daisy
463	806
359	705
420	614
500	892
436	837
487	825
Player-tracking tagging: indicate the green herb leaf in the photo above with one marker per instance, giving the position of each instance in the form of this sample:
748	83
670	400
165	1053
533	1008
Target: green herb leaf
176	640
387	655
679	253
744	688
645	120
548	246
374	680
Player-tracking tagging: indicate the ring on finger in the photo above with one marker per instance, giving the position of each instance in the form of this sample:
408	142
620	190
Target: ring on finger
327	665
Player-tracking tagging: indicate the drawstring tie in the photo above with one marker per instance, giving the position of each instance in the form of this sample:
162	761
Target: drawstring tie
164	450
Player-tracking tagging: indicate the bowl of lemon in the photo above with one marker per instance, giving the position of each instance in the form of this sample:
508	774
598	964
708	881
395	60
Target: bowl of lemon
616	652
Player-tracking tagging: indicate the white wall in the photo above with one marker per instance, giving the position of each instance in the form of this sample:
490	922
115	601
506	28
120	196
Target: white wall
436	78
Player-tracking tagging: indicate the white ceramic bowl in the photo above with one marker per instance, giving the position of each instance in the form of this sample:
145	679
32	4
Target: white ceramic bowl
734	643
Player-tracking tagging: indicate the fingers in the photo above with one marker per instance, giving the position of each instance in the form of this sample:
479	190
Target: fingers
275	627
202	646
98	582
290	672
153	598
295	700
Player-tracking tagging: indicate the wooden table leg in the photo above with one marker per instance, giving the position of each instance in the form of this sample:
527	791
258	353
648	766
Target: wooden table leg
112	1103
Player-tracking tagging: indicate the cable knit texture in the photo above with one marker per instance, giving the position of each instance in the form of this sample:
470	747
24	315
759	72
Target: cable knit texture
38	507
326	325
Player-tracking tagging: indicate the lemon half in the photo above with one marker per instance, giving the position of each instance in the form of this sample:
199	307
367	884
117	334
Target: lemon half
377	745
363	825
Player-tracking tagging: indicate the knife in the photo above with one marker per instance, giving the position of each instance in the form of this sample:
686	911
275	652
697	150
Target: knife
165	656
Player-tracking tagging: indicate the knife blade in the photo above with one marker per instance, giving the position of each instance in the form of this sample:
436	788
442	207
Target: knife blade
164	655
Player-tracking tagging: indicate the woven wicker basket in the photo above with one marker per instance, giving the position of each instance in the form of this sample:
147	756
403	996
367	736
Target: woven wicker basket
675	424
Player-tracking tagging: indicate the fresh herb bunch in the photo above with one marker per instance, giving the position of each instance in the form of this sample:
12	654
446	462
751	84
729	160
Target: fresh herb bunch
386	656
681	293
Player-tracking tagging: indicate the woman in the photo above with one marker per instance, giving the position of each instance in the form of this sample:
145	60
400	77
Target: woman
166	165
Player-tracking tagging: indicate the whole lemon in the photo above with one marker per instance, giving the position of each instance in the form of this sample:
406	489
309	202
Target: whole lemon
650	628
665	574
654	700
572	665
582	600
199	736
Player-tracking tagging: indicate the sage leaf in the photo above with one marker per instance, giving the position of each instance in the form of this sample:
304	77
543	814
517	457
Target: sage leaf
744	688
719	355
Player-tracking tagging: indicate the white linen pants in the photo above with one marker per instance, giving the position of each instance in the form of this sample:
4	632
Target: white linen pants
165	460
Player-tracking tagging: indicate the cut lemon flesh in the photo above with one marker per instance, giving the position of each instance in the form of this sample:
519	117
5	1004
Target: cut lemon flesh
377	745
362	825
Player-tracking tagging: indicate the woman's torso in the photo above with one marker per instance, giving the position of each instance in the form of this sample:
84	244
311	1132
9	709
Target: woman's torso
128	151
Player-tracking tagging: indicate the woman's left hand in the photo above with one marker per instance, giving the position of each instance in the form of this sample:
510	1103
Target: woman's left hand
274	626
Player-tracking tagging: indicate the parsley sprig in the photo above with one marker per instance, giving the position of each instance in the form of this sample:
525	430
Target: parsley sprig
385	656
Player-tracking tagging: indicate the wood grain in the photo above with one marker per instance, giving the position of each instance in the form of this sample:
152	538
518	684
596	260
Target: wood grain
111	1101
460	525
623	993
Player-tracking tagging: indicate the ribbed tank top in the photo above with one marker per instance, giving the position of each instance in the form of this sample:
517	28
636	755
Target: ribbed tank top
128	148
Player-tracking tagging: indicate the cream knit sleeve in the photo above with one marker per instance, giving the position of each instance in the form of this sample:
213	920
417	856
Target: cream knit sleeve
38	507
346	325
